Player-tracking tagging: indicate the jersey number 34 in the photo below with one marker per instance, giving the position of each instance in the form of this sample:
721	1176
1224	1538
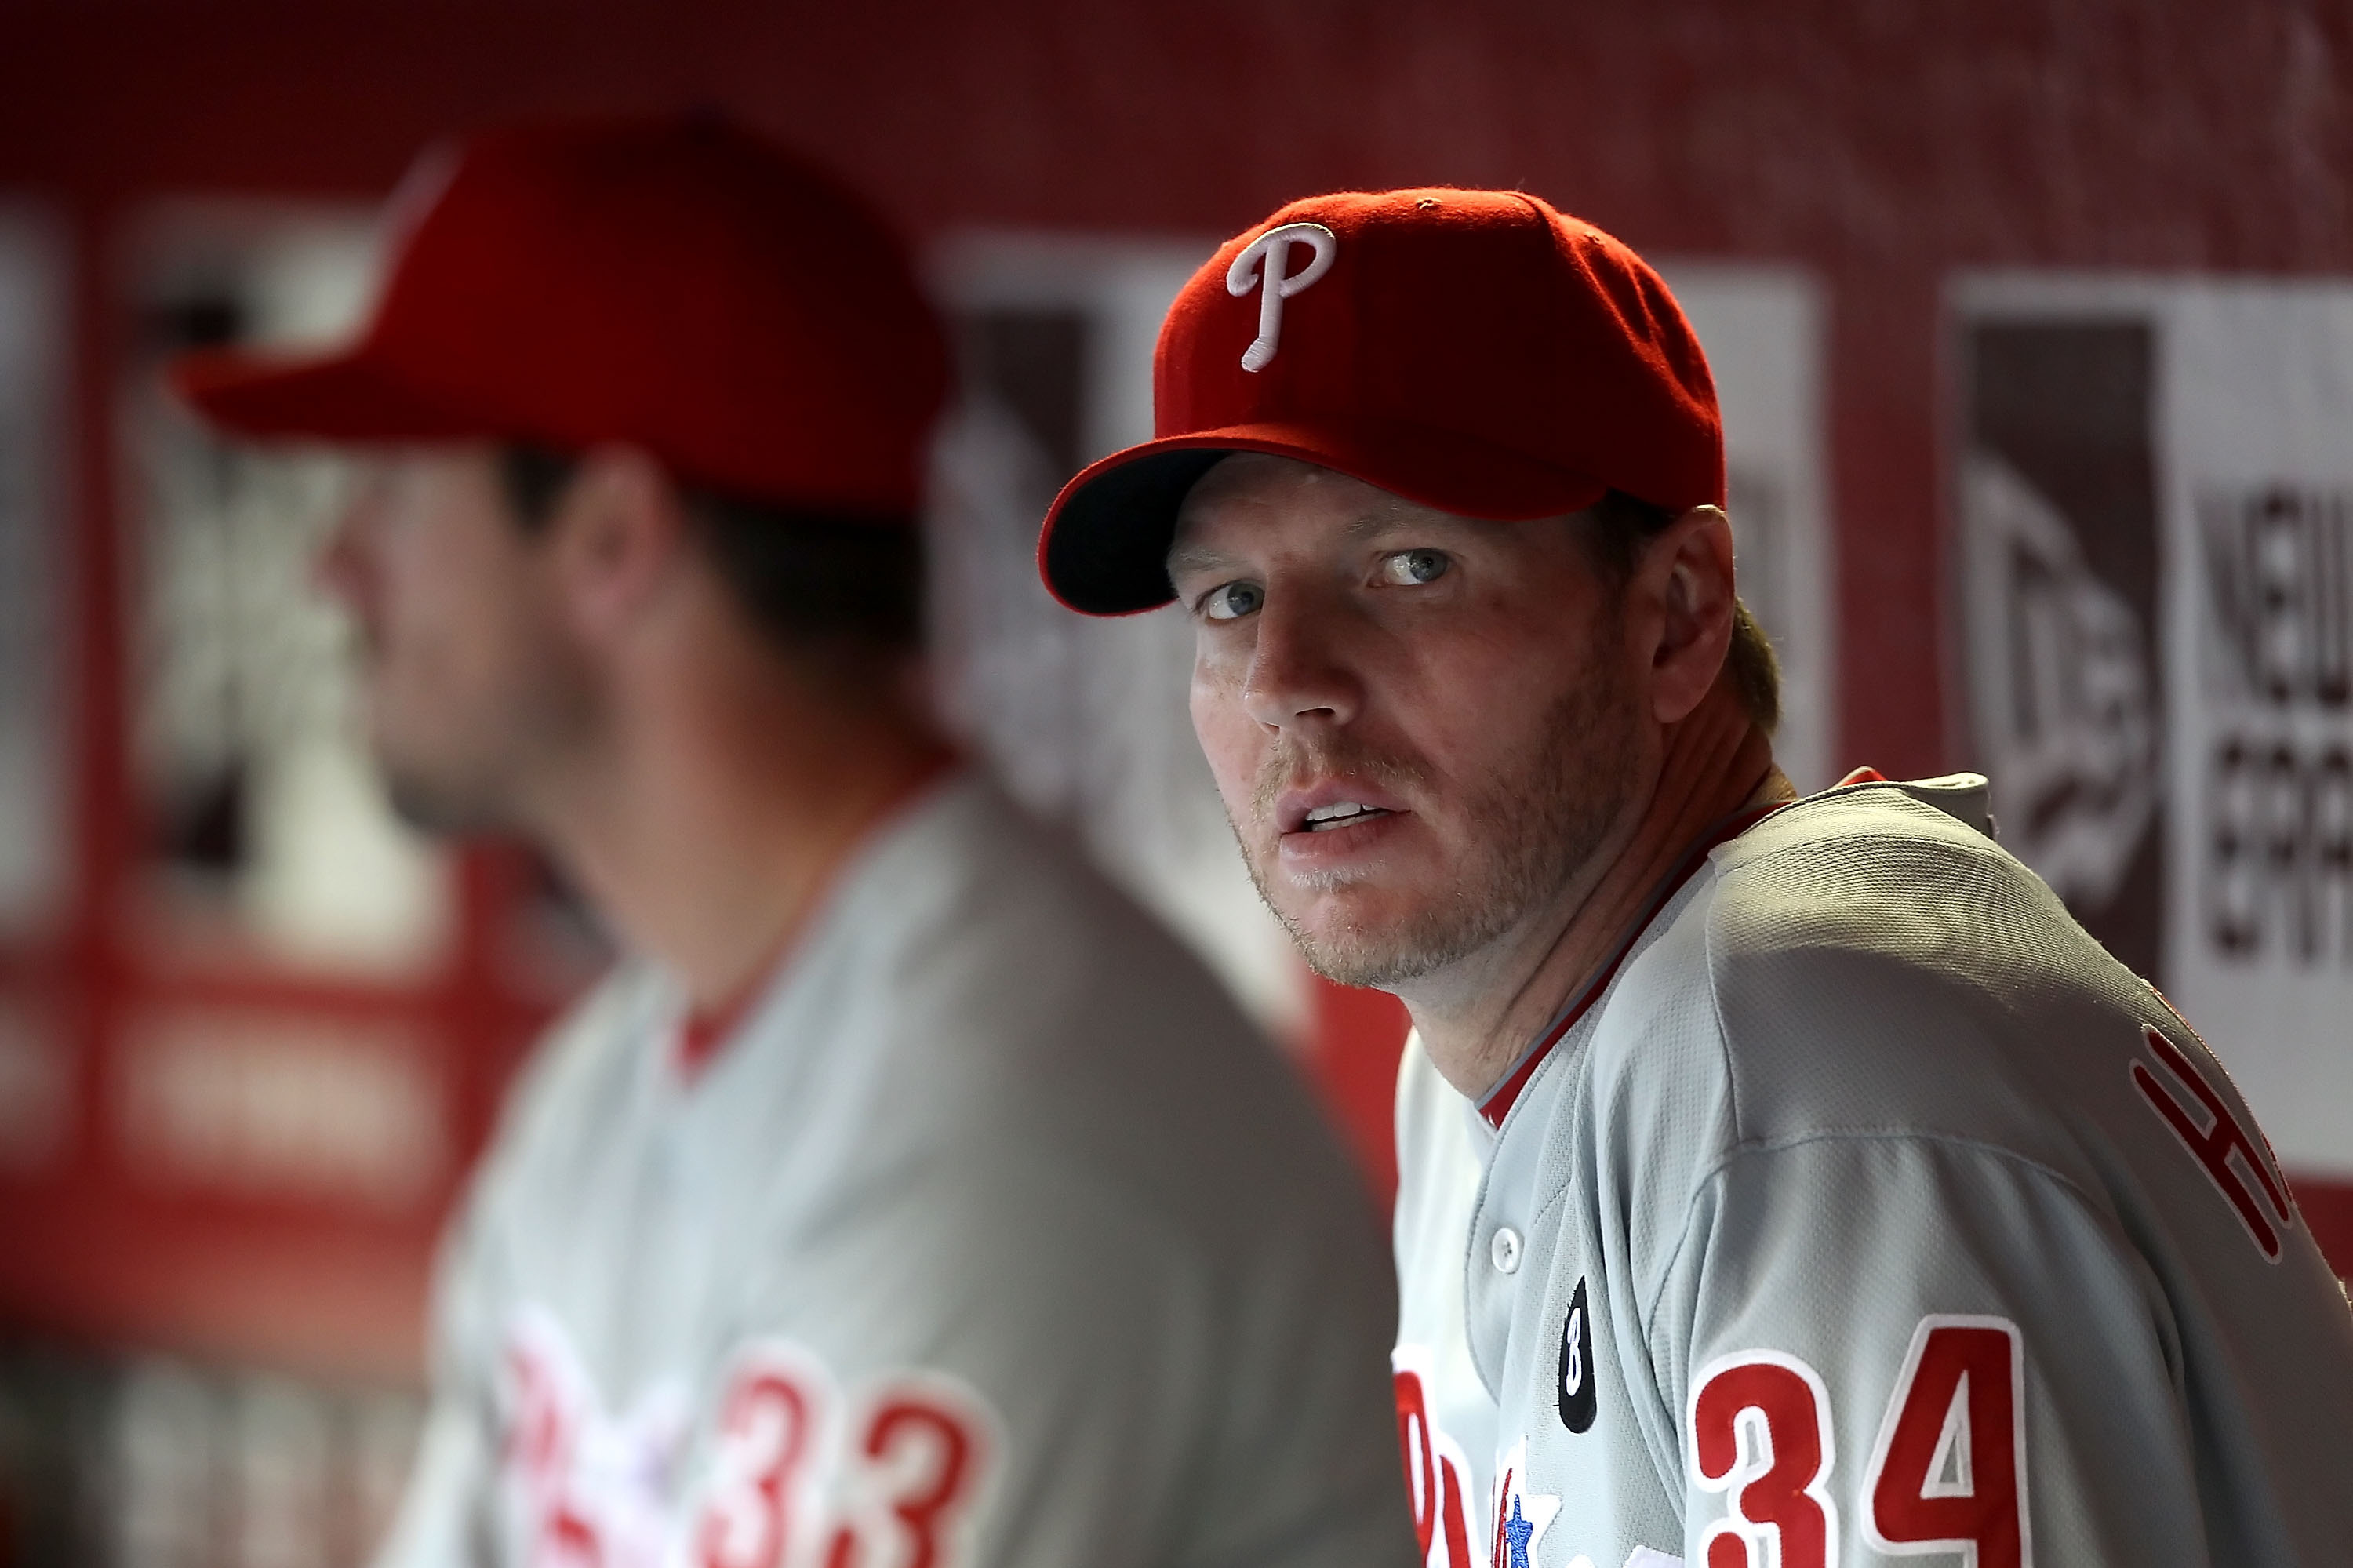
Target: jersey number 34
1948	1473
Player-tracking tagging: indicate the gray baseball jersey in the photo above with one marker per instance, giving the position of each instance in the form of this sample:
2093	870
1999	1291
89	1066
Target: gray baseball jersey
993	1235
1862	1208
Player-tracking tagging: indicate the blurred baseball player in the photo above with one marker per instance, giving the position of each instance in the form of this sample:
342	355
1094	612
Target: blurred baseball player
908	1200
1786	1183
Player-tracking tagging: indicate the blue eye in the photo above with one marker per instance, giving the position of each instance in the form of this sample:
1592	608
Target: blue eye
1231	601
1411	568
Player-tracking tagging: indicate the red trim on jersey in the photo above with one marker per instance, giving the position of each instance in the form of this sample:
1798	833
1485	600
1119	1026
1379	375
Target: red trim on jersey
1500	1100
701	1031
1865	775
705	1029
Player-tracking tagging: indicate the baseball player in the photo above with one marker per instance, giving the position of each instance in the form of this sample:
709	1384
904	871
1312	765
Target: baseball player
1787	1183
907	1199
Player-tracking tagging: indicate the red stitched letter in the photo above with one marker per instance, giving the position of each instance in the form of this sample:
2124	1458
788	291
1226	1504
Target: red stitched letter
1433	1478
2214	1145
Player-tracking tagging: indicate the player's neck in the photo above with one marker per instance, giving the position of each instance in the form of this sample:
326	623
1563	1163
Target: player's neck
1478	1017
728	790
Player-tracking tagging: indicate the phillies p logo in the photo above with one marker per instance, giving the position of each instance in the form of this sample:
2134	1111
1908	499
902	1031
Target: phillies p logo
1265	264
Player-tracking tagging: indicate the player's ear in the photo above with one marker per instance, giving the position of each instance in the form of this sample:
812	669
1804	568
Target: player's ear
616	537
1686	580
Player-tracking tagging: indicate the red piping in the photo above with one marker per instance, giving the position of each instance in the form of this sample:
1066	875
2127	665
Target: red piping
1499	1101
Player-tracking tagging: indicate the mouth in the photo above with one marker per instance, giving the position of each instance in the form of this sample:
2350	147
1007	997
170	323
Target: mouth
1342	814
1330	805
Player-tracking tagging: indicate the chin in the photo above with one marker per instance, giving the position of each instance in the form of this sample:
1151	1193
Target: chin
1367	938
441	805
1370	963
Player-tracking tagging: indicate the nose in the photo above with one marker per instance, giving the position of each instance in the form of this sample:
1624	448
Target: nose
1299	672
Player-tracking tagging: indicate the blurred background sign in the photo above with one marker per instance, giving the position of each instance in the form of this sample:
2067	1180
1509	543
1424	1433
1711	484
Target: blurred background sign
267	837
2156	498
252	1030
34	753
39	1084
1762	329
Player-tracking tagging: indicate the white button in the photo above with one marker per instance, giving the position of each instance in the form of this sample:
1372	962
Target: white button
1505	1250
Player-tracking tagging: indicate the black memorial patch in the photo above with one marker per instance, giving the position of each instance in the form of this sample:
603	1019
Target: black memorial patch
1576	1383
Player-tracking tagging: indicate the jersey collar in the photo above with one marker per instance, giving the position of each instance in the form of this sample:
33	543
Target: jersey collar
1506	1094
703	1033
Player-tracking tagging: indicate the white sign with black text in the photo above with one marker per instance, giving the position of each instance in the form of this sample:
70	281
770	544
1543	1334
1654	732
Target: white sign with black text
2200	721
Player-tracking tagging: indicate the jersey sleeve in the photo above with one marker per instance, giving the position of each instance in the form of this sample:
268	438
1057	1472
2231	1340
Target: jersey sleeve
438	1521
443	1518
1873	1347
446	1516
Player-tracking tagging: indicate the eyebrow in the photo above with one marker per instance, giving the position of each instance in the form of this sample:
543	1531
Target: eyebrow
1375	522
1188	558
1183	558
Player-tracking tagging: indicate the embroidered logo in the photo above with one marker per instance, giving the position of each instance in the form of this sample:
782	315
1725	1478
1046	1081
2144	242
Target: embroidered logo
580	1483
894	1469
1265	264
1521	1516
1437	1471
1577	1396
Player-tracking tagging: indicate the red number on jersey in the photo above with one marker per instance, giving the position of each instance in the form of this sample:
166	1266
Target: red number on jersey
1948	1472
927	1450
1433	1481
767	1434
1760	1430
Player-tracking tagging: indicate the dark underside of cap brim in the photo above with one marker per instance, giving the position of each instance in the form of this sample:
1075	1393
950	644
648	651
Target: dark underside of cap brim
1106	544
334	398
1107	552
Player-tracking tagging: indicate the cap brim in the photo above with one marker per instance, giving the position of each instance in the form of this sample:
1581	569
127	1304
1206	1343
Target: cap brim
1104	547
343	397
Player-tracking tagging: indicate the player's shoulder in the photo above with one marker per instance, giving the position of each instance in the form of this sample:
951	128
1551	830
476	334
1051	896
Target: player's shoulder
1880	895
1866	831
977	941
1869	961
593	1051
1013	1008
971	892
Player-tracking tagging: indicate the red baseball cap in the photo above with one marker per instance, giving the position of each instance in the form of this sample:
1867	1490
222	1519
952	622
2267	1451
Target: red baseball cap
1476	351
680	284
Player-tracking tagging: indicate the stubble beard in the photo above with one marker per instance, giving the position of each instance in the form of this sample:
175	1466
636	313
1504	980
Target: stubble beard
1538	827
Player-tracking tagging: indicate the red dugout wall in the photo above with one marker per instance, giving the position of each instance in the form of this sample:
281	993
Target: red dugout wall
1883	147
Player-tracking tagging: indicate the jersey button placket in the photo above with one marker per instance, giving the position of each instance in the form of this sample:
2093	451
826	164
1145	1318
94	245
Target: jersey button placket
1504	1250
